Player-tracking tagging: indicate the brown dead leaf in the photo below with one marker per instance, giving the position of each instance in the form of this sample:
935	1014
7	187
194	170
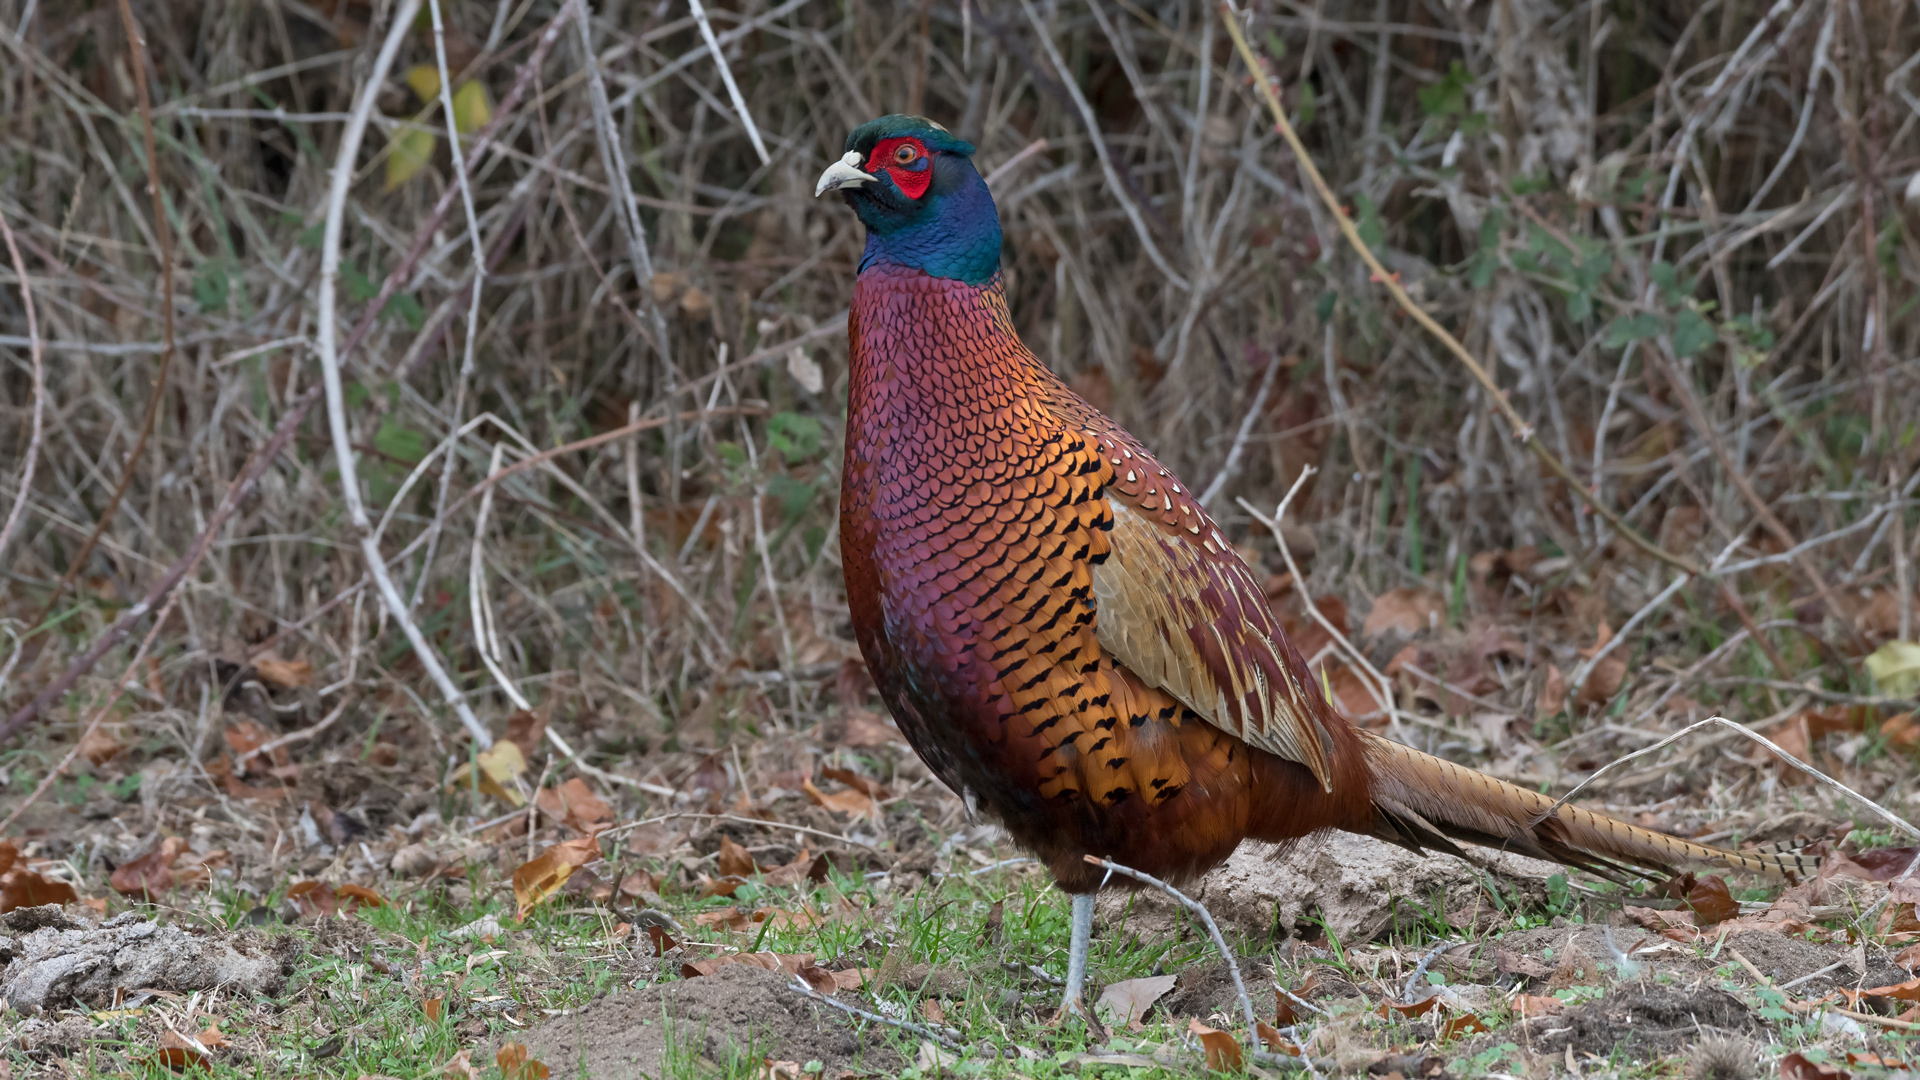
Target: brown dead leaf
315	899
538	879
460	1067
1407	1008
1672	925
1538	1005
638	884
1513	963
574	803
1880	864
150	875
525	728
734	860
867	730
1908	957
1604	680
1711	902
518	1063
283	674
1131	999
352	896
1553	693
851	803
1222	1050
179	1053
1795	1066
663	942
1464	1024
931	1011
873	789
435	1008
99	747
1404	611
726	918
246	736
21	886
793	873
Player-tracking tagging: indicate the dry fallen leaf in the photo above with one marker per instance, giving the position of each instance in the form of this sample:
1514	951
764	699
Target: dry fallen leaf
518	1063
1605	677
99	747
22	887
1407	611
434	1008
734	860
536	881
1795	1066
575	804
460	1067
1131	999
179	1053
283	674
1223	1052
867	729
873	789
851	803
150	875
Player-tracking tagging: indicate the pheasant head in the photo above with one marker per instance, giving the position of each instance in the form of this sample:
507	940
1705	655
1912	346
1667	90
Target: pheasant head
925	207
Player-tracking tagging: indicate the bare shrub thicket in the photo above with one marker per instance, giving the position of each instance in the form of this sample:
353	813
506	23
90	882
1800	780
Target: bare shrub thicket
1677	232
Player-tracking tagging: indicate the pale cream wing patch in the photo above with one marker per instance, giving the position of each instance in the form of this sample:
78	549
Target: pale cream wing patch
1193	623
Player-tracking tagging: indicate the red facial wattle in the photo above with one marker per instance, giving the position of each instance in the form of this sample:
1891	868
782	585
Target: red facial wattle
905	160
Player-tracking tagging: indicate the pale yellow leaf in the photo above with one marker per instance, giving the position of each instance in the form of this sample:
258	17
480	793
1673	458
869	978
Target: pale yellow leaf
408	154
471	110
425	80
1895	668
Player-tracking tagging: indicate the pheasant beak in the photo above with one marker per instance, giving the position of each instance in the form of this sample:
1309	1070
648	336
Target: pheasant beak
843	173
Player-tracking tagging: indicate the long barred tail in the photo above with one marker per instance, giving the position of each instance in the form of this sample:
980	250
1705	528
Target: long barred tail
1424	802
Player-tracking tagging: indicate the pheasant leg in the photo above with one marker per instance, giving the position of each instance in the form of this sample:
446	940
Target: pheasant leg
1077	954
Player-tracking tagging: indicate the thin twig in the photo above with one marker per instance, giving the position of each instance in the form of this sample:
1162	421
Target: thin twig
34	351
163	233
329	357
945	1036
1522	430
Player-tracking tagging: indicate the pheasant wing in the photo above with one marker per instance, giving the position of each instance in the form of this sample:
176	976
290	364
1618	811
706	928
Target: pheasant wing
1180	609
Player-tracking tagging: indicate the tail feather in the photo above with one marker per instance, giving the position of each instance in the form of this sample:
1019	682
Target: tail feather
1426	803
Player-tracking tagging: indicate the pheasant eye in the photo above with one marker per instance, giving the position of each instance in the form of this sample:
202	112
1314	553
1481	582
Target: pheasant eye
904	154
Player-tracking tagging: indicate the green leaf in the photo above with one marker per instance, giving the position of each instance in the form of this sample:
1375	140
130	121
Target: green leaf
794	495
1624	331
360	287
312	238
211	287
1580	306
399	441
1692	333
815	538
794	436
1895	668
407	309
1372	233
1448	97
355	393
731	453
1305	106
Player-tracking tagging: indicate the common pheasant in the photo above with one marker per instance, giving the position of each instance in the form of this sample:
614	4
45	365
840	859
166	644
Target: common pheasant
1062	632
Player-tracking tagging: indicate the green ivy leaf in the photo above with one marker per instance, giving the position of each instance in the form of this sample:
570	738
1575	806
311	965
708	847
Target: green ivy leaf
399	441
794	436
211	287
1692	333
794	495
1625	330
1448	97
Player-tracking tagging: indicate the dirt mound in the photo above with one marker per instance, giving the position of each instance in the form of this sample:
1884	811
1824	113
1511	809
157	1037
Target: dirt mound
1355	885
63	961
1649	1023
737	1016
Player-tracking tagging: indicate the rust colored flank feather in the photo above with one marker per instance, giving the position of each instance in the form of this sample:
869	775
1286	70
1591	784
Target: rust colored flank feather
1063	633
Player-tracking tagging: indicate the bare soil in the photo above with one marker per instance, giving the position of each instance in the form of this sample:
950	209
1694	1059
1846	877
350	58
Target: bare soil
737	1014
